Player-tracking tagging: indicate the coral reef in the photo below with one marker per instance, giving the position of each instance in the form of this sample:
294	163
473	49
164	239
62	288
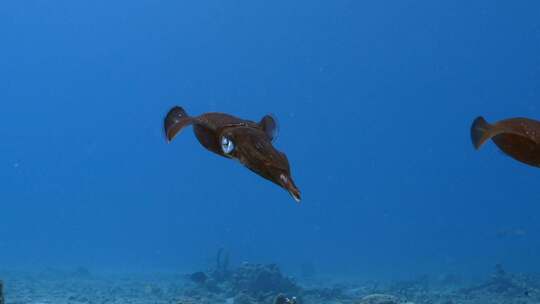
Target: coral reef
246	284
258	280
249	283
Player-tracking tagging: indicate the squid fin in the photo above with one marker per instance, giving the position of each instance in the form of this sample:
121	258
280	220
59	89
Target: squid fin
175	121
481	131
270	126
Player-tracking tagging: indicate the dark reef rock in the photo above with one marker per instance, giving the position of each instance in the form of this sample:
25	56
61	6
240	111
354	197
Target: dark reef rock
198	277
256	279
282	299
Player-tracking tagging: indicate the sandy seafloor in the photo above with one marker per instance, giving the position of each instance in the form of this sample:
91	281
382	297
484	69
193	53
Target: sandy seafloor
254	283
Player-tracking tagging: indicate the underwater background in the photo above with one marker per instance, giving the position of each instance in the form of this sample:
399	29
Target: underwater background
374	99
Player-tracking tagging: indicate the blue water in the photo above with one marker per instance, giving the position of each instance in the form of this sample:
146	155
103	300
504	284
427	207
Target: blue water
374	100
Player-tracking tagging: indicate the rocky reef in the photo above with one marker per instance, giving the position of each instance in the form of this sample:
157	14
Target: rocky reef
258	280
249	283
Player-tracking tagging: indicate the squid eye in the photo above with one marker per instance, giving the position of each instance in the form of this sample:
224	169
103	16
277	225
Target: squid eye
226	145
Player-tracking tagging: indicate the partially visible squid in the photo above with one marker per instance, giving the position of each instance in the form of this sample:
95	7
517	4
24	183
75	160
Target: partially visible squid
518	138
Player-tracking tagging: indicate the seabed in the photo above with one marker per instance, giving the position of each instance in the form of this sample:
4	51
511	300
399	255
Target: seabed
259	284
